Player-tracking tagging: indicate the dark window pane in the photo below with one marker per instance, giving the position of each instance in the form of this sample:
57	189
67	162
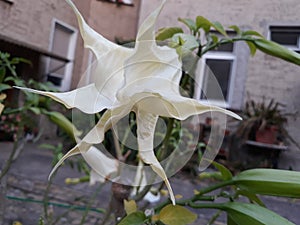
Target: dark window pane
225	48
285	35
55	80
217	70
288	38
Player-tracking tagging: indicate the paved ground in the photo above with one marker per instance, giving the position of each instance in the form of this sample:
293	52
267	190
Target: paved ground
27	182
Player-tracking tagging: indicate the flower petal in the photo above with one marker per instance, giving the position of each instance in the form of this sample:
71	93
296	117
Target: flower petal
178	107
140	181
145	134
146	31
93	40
103	167
72	152
107	120
155	70
100	163
78	98
150	61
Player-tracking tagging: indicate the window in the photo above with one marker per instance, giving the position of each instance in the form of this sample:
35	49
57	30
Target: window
63	43
216	76
288	36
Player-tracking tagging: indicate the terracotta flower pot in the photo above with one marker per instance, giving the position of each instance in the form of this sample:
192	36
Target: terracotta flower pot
267	135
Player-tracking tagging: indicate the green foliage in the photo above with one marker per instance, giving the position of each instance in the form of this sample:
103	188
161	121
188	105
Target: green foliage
8	64
250	214
57	151
274	49
176	215
190	24
130	206
136	218
166	33
203	23
215	35
261	115
226	174
269	182
63	122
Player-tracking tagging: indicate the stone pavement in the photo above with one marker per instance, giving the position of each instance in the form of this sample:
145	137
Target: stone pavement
27	182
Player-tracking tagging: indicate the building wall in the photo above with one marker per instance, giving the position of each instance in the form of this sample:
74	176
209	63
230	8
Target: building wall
266	75
113	21
29	22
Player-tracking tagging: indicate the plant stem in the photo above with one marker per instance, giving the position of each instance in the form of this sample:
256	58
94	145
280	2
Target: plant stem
46	200
197	197
9	161
91	201
214	218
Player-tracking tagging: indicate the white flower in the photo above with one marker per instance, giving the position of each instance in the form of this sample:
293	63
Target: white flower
144	80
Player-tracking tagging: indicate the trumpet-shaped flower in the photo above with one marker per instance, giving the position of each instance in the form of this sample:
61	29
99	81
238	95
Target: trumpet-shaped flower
144	79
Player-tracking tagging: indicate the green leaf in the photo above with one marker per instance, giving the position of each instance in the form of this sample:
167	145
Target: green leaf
17	60
187	41
136	218
251	196
252	48
226	174
166	33
214	38
2	74
277	50
219	27
250	214
202	22
130	206
63	122
176	215
270	182
189	23
35	110
252	33
17	81
4	87
230	221
236	29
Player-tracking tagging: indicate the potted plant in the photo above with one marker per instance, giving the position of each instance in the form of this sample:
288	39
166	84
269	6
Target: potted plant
265	122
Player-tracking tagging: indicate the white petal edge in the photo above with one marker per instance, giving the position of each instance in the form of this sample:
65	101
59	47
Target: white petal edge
92	40
147	29
178	107
72	152
87	99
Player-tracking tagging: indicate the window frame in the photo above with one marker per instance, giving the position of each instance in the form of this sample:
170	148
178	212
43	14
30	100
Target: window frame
70	55
296	47
217	55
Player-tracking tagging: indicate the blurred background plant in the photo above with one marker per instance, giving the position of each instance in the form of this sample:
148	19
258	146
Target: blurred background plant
266	122
20	113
